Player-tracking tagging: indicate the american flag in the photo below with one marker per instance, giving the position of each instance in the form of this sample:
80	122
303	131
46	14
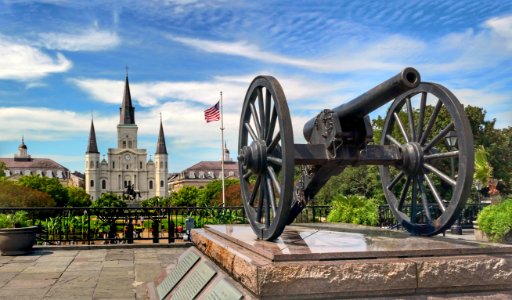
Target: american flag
212	113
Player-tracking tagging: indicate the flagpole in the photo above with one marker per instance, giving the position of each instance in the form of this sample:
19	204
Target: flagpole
222	151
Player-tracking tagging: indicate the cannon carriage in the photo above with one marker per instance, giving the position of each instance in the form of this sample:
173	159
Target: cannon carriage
426	179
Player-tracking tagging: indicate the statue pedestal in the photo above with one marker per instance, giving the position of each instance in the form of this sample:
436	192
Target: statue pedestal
354	261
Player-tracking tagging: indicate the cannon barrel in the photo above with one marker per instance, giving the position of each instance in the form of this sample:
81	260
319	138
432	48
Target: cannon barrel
407	79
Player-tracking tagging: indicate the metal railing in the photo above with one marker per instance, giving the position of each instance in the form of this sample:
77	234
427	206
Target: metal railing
467	215
86	225
60	225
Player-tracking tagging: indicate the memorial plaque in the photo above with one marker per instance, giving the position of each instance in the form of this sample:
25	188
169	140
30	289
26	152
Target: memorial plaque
183	266
195	282
224	290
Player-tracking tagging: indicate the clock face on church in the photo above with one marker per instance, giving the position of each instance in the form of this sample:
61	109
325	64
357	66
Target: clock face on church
127	156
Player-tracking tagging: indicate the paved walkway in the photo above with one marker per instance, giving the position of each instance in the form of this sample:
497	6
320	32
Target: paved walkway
112	273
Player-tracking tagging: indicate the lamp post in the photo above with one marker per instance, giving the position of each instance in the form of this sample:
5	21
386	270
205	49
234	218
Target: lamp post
451	143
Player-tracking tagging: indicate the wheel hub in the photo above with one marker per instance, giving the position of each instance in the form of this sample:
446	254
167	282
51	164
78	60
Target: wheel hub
412	157
254	156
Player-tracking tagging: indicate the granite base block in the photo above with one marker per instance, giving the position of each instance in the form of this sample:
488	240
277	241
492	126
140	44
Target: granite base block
304	263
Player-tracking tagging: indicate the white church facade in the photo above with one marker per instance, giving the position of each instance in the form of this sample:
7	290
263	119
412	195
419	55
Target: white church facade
127	167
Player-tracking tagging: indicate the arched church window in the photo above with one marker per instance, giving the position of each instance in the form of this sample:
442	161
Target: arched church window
140	165
91	164
151	184
113	165
124	144
103	184
97	164
161	164
130	144
161	183
92	183
126	167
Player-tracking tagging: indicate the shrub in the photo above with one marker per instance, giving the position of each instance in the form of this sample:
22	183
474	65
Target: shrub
13	195
156	202
496	220
354	209
51	186
109	200
16	220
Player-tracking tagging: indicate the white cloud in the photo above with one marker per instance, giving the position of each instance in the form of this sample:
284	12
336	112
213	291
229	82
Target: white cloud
480	98
366	58
503	118
84	40
23	62
471	49
502	27
151	94
44	124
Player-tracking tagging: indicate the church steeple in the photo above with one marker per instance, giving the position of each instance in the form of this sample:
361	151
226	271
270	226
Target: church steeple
92	147
127	111
160	145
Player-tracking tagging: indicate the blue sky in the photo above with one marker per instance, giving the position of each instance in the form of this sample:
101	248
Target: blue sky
61	60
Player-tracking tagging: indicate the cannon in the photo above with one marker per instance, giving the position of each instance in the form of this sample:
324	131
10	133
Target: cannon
425	154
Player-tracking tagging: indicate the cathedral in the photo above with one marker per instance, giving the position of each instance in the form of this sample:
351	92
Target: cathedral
127	169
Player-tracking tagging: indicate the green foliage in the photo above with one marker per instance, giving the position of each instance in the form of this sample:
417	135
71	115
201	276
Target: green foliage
496	220
187	196
483	170
3	167
68	224
156	202
16	220
14	195
363	180
213	190
78	197
219	215
109	200
497	143
354	209
51	186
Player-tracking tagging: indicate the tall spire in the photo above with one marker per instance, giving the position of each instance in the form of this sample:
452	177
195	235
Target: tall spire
160	145
127	111
92	147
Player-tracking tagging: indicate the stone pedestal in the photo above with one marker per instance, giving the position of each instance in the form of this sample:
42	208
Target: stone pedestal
351	261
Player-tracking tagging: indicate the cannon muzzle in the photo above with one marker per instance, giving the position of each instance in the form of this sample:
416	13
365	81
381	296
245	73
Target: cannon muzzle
409	78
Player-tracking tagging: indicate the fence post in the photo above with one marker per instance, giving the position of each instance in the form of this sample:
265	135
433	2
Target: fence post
88	227
170	227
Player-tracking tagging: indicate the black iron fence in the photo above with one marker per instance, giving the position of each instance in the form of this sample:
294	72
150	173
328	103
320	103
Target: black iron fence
467	216
128	225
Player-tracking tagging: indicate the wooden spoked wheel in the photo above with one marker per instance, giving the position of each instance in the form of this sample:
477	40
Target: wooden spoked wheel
428	189
266	157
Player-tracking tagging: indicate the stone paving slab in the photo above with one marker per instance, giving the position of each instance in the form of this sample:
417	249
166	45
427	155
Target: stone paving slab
106	273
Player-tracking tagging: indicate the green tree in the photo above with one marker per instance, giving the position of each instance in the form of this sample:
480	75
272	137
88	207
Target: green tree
212	191
78	197
13	195
51	186
362	180
109	200
156	202
186	196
